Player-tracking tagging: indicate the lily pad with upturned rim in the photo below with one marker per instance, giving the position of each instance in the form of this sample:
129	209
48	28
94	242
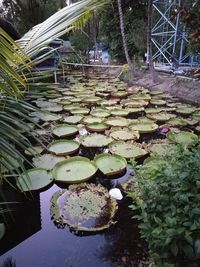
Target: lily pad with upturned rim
90	119
84	207
47	161
64	130
34	179
125	134
110	164
183	138
97	127
127	150
96	140
143	127
116	121
161	116
80	111
63	147
73	119
158	102
74	170
120	112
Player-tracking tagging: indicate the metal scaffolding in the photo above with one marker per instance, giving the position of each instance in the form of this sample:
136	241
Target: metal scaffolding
169	36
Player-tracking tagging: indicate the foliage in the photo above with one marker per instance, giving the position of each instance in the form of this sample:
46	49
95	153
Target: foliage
135	21
167	195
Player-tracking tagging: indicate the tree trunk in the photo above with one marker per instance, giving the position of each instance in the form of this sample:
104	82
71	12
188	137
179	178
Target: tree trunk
149	42
130	66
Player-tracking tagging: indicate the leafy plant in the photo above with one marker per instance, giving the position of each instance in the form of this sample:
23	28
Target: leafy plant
167	195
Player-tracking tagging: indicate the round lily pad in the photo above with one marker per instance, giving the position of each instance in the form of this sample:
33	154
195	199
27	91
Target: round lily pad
158	102
74	170
96	140
185	110
110	164
183	138
63	147
47	161
127	150
80	111
64	130
116	121
160	116
177	122
125	135
84	207
34	179
101	113
120	112
90	119
143	127
54	108
135	110
73	119
97	127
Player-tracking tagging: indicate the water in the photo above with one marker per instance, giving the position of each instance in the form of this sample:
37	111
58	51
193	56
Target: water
34	240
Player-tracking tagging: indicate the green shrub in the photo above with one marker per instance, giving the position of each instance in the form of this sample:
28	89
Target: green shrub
167	197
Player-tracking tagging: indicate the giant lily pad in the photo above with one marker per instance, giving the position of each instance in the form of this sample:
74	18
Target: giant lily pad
96	140
64	130
91	119
143	127
34	179
63	147
84	207
185	110
119	112
102	113
127	150
125	135
183	138
160	116
117	121
97	127
80	111
158	102
73	119
74	170
177	122
110	164
47	161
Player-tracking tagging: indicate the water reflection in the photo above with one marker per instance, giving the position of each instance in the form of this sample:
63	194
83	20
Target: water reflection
22	222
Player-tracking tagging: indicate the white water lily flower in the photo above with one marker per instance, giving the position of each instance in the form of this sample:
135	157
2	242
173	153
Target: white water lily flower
115	193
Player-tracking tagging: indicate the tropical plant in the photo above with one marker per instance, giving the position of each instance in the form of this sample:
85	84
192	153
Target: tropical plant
166	196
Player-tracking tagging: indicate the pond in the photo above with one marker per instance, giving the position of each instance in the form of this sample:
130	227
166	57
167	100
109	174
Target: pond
89	118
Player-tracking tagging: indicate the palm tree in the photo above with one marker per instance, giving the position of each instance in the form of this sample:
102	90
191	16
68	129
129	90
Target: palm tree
124	40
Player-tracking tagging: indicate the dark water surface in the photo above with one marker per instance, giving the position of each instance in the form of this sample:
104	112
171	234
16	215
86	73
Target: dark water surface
33	240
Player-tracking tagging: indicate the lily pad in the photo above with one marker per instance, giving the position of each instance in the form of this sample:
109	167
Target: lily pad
135	110
90	119
158	102
185	110
183	138
34	179
84	207
160	116
74	170
110	164
101	113
120	112
96	140
64	130
47	161
73	119
127	150
97	127
116	121
63	147
143	127
125	135
47	116
80	111
177	122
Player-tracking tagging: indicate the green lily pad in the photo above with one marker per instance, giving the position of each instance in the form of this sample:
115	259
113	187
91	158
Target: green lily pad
158	102
143	127
185	110
90	119
153	110
64	130
110	102
156	92
97	127
101	113
34	179
119	94
116	121
160	116
135	103
183	138
47	161
80	111
92	99
196	116
84	207
73	119
110	164
74	170
46	116
54	108
135	110
63	147
127	150
125	135
96	140
119	112
177	122
141	97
